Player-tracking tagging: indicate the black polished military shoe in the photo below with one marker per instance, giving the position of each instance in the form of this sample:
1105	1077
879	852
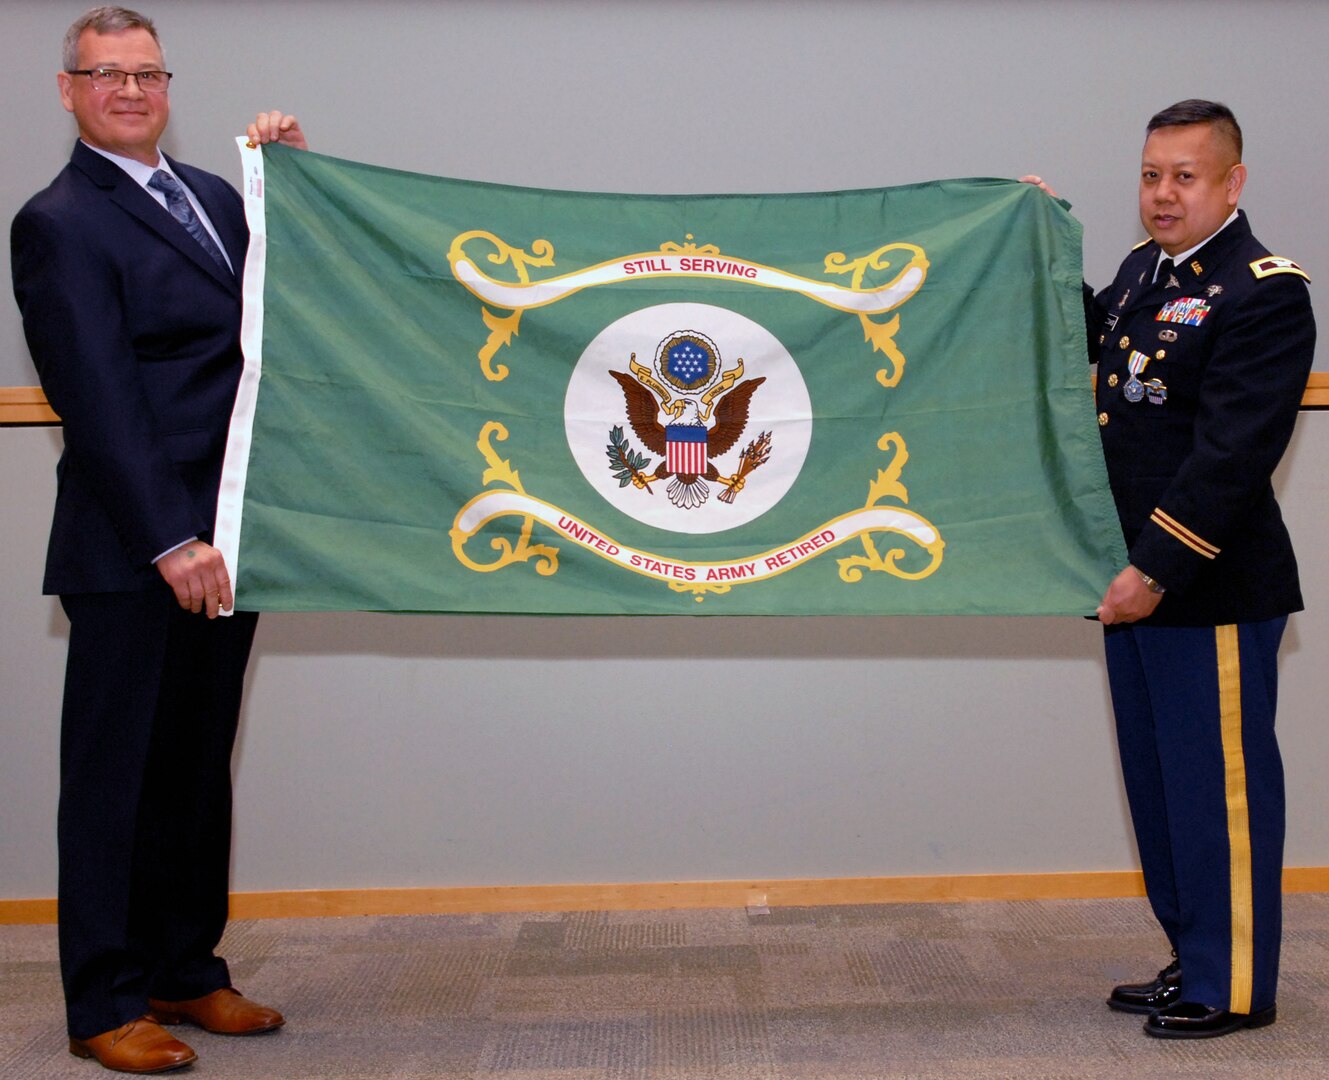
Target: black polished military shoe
1165	990
1191	1020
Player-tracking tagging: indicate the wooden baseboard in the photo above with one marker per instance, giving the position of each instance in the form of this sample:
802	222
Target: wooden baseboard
1317	391
666	895
26	912
657	896
24	405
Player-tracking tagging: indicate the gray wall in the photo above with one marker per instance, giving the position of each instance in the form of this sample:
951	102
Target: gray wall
723	95
386	751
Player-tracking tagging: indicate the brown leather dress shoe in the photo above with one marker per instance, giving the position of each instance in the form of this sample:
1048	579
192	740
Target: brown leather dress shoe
138	1047
223	1012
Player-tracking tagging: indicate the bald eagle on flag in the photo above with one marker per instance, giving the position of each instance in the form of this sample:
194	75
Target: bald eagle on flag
686	443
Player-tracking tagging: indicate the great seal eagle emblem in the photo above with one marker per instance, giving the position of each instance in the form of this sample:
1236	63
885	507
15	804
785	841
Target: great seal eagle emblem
687	409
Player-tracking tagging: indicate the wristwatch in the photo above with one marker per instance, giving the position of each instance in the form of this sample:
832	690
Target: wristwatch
1149	583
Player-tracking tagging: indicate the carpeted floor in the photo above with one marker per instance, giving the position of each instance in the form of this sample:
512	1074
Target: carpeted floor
936	991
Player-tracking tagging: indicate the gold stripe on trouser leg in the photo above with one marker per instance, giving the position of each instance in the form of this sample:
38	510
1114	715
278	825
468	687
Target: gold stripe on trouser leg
1238	819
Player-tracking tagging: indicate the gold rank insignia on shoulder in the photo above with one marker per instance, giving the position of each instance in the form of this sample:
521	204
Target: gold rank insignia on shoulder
1141	244
1276	264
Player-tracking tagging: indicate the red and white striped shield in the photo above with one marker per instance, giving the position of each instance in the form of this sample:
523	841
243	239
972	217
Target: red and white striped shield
686	449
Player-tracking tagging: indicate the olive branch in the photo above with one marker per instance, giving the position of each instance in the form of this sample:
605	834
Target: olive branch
628	466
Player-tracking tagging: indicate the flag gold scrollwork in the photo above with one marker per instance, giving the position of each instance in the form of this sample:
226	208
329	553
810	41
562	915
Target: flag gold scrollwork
700	589
500	471
888	486
882	335
502	328
690	260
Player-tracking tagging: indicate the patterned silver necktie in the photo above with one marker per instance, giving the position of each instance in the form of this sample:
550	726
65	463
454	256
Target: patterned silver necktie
181	209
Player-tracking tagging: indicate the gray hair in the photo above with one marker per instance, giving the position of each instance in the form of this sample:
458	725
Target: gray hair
103	20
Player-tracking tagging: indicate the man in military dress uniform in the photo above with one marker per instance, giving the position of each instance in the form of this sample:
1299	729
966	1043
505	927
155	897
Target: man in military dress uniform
1204	342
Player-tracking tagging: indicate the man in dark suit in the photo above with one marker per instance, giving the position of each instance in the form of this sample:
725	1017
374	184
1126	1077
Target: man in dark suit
1203	343
126	270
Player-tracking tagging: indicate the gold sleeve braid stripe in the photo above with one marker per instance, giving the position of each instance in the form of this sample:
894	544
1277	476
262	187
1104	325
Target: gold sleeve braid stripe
1175	529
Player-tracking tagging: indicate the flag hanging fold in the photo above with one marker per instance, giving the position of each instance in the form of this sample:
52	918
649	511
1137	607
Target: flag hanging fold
467	397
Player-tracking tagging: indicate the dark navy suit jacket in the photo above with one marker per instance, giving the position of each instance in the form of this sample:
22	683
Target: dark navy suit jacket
135	333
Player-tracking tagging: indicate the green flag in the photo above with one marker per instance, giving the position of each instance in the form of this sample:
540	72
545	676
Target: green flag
467	397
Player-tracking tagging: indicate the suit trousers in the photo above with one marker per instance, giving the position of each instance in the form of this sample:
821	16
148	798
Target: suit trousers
1195	727
151	710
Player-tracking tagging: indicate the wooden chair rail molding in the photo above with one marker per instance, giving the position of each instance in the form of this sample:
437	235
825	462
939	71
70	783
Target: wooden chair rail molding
676	895
26	405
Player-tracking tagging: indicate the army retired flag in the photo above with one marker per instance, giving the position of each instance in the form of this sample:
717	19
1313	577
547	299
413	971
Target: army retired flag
466	397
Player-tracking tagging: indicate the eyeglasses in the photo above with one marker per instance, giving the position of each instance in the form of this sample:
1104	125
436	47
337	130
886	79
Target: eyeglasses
150	82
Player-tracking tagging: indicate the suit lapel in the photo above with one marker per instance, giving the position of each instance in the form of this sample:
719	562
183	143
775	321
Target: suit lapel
1193	273
231	229
126	193
1136	279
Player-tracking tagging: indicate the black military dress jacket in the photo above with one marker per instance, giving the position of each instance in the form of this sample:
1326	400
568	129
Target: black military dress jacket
1200	376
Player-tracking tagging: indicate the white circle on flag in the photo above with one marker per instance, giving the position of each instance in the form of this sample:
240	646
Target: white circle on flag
779	407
